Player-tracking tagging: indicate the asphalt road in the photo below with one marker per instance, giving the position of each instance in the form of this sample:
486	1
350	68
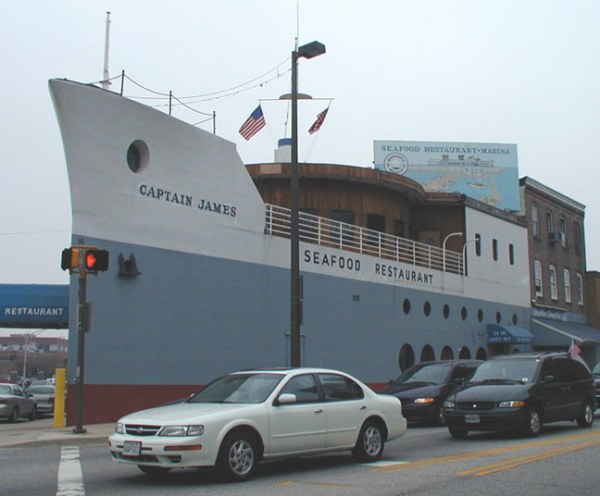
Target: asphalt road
426	462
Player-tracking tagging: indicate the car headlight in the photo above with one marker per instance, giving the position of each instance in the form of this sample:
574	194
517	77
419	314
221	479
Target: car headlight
424	401
182	430
120	428
449	404
512	404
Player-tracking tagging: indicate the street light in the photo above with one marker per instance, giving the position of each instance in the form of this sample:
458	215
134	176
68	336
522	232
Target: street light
27	336
308	51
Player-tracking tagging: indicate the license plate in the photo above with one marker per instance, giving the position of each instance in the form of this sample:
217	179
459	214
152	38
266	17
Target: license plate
472	419
132	448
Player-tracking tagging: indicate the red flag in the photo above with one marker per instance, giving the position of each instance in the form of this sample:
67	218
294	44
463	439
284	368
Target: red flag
574	349
253	124
319	122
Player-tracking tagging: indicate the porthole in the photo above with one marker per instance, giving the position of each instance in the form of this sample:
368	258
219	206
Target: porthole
427	354
498	317
406	306
480	315
138	156
427	308
406	359
446	311
447	353
481	354
464	353
515	319
463	313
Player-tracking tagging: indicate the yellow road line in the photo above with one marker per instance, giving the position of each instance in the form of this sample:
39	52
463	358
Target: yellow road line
523	460
480	454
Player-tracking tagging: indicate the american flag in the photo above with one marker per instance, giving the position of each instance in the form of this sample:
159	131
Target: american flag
319	122
253	124
574	349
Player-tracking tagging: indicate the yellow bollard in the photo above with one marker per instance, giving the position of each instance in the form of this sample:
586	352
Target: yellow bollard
60	398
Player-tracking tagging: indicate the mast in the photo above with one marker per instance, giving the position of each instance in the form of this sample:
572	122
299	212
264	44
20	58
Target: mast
105	76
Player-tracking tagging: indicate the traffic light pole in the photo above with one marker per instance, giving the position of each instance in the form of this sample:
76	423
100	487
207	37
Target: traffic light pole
81	330
82	260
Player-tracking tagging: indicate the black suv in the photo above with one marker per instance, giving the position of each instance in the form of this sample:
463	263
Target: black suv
423	388
522	391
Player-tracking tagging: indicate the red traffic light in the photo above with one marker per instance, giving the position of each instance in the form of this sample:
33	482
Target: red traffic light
96	260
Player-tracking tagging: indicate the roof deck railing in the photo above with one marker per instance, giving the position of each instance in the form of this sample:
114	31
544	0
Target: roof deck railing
334	234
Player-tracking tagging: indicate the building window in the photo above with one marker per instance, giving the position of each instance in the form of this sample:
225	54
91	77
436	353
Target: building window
549	221
478	244
345	217
567	284
399	228
535	221
563	231
511	254
495	249
577	236
376	222
553	283
580	289
537	277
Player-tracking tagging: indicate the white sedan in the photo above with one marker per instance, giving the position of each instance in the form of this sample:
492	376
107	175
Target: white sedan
243	417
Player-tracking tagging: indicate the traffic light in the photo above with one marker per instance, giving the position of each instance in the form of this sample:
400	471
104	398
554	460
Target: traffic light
69	259
95	260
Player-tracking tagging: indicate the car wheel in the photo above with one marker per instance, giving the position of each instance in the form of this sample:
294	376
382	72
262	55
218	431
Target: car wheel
237	457
370	443
586	417
533	422
458	432
152	470
14	415
33	415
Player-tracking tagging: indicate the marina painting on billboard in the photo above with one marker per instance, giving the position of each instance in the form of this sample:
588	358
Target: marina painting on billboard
487	172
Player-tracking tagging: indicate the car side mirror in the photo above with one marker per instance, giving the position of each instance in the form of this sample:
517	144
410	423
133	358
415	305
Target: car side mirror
286	399
547	379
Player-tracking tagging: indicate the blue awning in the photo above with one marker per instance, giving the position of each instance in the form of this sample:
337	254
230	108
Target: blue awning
498	334
559	332
34	306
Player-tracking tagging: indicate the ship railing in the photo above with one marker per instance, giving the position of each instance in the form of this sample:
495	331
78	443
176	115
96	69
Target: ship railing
335	234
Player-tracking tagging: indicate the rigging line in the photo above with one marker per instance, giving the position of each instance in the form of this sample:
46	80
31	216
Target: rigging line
34	232
190	108
147	89
207	99
243	84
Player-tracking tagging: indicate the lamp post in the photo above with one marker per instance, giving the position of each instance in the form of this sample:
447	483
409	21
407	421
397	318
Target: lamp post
27	336
308	51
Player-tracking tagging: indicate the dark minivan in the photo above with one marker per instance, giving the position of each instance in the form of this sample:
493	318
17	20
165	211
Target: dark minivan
423	388
522	392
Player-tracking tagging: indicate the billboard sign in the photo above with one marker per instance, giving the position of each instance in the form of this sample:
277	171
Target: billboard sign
487	172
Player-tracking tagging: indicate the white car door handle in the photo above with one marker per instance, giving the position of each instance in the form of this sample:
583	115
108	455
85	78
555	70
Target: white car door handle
318	410
363	407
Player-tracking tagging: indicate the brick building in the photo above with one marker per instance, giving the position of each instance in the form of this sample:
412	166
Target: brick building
559	303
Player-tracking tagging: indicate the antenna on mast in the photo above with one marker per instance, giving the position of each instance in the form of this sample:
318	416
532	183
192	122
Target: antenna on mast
105	76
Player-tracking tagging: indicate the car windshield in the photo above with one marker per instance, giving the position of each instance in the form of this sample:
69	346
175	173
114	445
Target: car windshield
434	373
510	370
596	370
4	389
41	390
238	388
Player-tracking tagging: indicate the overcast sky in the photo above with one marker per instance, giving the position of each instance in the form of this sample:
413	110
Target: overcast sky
524	72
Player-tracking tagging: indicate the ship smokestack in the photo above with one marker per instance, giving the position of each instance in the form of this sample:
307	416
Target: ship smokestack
283	152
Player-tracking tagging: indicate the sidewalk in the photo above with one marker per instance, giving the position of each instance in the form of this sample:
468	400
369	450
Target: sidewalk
42	432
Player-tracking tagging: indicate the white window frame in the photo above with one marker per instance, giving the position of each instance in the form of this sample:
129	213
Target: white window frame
579	289
537	278
535	221
553	282
567	284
